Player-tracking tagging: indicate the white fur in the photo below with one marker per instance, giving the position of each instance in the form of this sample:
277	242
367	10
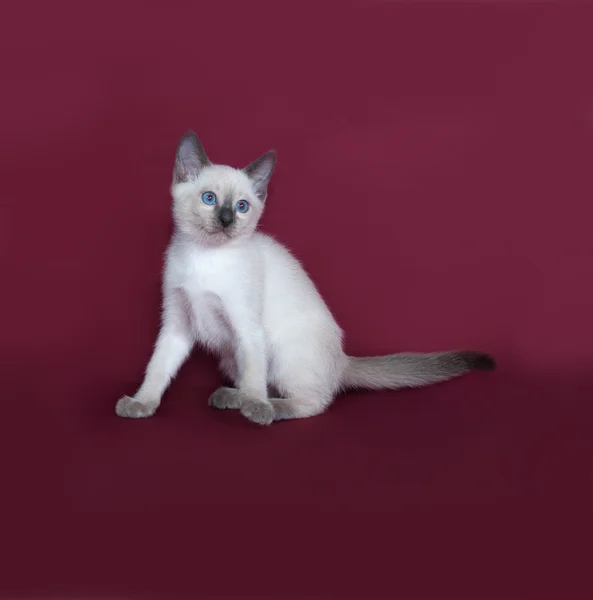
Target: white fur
252	301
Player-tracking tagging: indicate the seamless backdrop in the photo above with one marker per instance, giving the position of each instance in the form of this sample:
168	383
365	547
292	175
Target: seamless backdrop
434	177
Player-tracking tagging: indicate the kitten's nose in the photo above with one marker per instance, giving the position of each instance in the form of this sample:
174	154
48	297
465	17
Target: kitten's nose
225	216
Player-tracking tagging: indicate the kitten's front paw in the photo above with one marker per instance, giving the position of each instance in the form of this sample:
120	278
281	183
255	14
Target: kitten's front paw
257	411
132	409
225	397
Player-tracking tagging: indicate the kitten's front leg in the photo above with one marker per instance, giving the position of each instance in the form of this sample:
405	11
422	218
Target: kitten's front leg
172	347
250	396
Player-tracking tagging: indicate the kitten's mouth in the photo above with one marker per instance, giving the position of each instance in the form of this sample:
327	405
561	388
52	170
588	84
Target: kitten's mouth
219	231
216	234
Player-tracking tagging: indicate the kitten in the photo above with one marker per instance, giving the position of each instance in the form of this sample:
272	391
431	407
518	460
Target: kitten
243	296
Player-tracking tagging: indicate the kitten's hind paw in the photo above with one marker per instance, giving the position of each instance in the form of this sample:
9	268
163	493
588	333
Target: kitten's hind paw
225	397
132	409
257	411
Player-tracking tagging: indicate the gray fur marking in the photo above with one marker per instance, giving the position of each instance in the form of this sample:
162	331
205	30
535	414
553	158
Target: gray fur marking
413	369
260	171
224	398
257	411
191	158
132	409
225	214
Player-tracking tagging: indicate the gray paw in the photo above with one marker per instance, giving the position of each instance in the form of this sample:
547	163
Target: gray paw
257	411
129	408
225	397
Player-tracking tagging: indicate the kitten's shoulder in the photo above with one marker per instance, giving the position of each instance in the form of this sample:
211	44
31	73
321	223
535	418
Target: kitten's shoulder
177	249
266	241
273	249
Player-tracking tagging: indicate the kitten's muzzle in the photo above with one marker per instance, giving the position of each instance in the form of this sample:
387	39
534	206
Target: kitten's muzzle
226	216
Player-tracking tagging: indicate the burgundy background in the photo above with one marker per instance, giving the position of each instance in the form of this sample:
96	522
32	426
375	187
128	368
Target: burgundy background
434	177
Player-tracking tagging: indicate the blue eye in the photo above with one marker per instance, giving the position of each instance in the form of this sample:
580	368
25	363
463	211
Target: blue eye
209	198
242	206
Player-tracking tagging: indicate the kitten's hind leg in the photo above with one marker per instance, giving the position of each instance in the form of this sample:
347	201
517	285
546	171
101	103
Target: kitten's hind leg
301	407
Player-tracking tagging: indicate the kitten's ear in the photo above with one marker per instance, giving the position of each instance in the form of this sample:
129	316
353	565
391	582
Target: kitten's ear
191	158
260	171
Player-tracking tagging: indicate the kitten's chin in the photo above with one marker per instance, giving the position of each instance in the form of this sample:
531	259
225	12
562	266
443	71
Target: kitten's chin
221	234
204	236
213	237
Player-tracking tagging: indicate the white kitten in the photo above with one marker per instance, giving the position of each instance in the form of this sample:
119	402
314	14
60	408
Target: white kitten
243	296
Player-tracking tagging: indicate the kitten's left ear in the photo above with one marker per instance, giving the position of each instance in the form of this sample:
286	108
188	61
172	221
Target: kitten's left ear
260	171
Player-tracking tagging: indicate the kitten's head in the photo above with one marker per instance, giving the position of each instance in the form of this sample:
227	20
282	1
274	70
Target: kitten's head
215	204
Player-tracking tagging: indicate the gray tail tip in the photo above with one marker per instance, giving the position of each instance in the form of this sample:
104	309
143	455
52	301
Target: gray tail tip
478	361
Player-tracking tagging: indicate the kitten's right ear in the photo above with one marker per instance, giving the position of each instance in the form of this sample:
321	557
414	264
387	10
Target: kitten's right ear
191	158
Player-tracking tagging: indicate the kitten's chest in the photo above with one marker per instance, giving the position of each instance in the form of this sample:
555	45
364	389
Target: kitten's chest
206	274
207	284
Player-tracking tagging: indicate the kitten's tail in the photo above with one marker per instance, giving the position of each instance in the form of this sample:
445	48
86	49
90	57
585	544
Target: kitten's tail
412	369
